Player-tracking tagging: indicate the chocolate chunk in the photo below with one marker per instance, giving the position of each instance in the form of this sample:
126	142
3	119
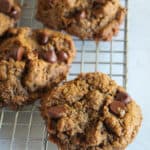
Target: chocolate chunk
43	38
117	107
5	6
123	97
57	112
15	13
62	56
17	53
50	56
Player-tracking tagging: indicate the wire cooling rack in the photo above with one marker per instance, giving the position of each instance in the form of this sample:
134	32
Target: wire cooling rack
25	130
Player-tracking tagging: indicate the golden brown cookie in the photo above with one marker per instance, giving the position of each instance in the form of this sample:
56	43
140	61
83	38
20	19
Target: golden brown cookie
31	62
87	19
91	113
10	11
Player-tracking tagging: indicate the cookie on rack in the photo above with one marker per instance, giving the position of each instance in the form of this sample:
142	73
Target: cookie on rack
87	19
91	113
10	11
31	62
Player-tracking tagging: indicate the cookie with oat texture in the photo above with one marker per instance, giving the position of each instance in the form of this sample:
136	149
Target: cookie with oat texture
87	19
10	12
32	62
91	112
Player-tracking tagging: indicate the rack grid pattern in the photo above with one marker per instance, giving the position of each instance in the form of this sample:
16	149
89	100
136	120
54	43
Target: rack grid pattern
25	130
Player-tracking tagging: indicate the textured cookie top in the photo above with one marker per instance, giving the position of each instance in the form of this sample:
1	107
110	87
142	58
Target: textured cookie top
87	19
9	13
32	61
91	113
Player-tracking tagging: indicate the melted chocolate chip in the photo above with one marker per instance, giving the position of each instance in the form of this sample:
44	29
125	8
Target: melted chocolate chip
43	38
14	13
50	56
116	107
123	97
17	53
57	112
5	6
62	56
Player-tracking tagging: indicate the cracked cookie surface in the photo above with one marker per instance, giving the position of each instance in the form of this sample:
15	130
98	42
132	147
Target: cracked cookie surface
87	19
31	62
10	11
91	113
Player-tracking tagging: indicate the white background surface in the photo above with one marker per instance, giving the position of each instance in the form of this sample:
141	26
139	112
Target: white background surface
139	66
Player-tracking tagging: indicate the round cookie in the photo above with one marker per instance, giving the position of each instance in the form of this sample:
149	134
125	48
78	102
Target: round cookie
87	19
91	113
10	11
32	62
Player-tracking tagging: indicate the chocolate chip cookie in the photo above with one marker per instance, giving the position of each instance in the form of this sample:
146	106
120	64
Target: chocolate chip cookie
87	19
31	62
10	12
91	113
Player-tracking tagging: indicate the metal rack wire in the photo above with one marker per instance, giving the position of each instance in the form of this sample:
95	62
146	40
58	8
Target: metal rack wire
25	130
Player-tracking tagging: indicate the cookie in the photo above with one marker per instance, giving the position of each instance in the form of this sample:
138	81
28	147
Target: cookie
87	19
10	11
31	62
91	113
